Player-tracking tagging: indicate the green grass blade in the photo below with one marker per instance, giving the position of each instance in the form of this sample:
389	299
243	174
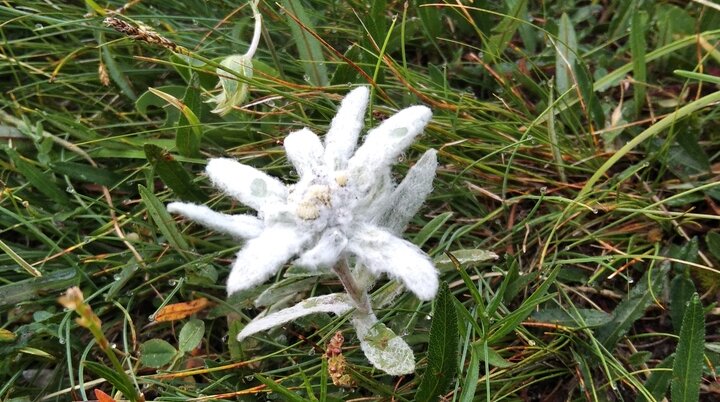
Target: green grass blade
566	51
638	47
163	220
308	46
688	364
173	174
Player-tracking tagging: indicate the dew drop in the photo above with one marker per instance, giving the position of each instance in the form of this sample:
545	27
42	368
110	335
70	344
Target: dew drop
595	211
151	317
70	189
543	190
224	338
306	78
61	341
39	26
311	352
113	346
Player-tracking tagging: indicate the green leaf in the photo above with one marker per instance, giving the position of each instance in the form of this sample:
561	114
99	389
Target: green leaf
385	350
471	378
162	219
712	239
309	48
156	353
173	174
38	179
566	48
632	308
119	381
491	356
682	289
658	381
505	30
114	68
430	228
579	318
148	99
191	335
688	364
189	130
467	257
638	26
33	288
442	349
286	394
87	173
126	274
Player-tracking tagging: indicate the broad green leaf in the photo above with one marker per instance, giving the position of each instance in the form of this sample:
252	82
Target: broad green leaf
385	350
491	356
156	353
442	349
162	219
658	381
189	131
566	51
33	288
575	318
191	335
638	26
120	381
309	48
115	69
148	99
173	174
688	364
632	308
38	179
682	289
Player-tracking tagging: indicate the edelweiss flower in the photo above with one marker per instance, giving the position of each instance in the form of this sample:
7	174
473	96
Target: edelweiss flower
344	204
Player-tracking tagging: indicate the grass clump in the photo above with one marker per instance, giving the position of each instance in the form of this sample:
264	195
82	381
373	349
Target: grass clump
577	141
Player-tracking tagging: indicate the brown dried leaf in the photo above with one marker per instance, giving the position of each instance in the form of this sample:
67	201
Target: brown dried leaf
178	311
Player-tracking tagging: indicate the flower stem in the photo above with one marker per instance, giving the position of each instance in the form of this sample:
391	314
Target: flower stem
358	295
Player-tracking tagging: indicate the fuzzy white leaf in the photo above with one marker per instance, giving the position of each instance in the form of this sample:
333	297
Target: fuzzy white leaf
326	252
305	151
382	252
246	184
385	143
337	303
385	350
238	226
409	195
341	139
264	255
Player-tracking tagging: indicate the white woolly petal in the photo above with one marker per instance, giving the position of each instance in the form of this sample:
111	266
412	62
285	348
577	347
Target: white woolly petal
385	350
304	150
337	303
385	143
244	183
341	139
239	226
381	251
264	255
326	252
409	195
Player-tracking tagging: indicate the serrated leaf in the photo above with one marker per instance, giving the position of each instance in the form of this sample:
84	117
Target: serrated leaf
191	335
442	349
382	347
156	353
632	308
162	219
688	364
173	174
576	318
120	381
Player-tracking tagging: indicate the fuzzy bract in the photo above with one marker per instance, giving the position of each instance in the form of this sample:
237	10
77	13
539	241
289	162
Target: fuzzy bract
344	204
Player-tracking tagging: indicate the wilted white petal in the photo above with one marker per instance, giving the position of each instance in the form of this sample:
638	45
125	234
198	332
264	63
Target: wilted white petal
385	143
264	255
304	150
326	252
380	251
239	226
234	91
337	303
409	195
385	350
246	184
341	139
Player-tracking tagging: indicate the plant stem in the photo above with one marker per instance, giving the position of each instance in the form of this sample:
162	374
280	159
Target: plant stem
358	295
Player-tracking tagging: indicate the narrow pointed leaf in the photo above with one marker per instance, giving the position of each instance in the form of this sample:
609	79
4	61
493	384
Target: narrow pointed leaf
173	174
442	349
687	368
